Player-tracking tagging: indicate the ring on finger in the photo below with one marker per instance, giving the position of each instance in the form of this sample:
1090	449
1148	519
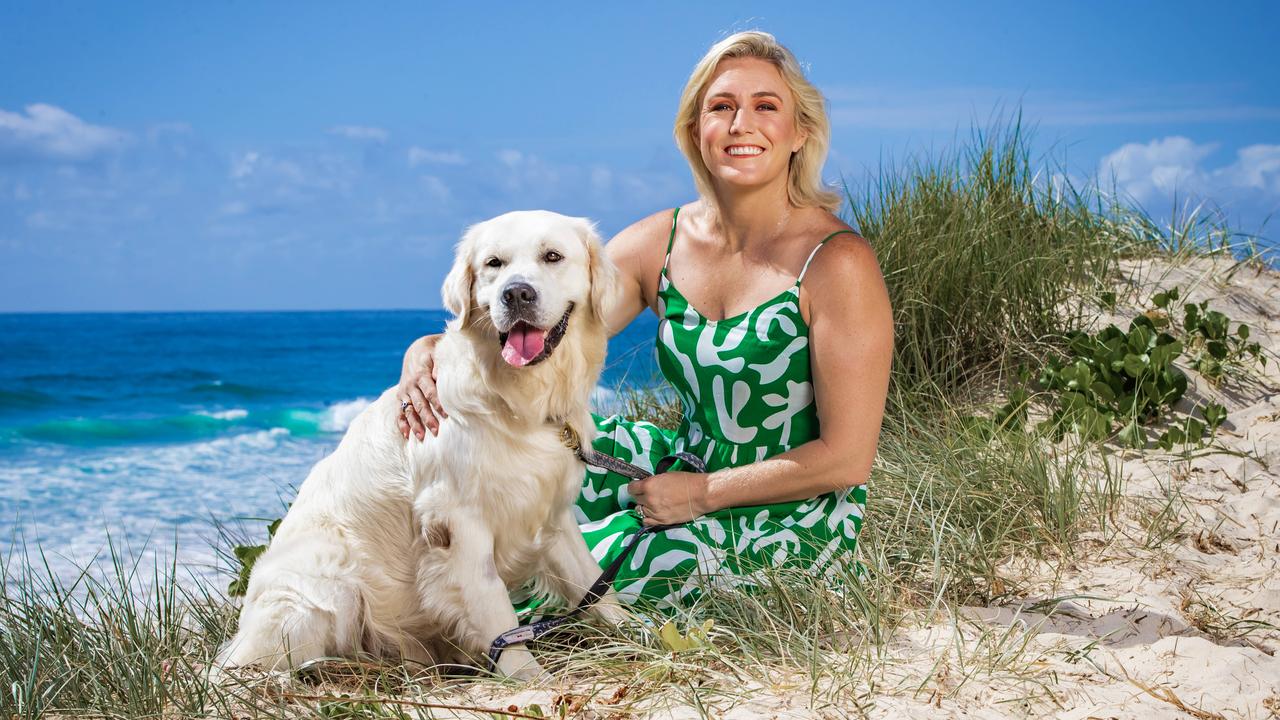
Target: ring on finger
404	404
640	511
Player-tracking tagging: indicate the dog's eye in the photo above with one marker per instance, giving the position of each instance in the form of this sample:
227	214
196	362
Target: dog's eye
552	256
493	262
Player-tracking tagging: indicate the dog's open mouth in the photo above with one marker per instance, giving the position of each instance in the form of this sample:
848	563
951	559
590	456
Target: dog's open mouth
525	344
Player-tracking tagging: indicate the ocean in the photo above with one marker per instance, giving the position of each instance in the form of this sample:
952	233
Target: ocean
144	432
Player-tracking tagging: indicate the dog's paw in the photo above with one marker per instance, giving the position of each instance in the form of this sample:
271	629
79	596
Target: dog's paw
611	611
518	664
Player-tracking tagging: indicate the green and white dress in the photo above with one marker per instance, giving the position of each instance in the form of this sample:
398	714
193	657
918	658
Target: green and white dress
746	386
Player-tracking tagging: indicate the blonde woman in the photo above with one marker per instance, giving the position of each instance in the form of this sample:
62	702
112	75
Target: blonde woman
775	331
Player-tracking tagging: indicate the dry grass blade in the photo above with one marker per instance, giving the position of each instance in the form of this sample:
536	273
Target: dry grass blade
1164	693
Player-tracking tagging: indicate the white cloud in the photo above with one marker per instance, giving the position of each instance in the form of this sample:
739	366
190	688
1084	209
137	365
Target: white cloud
436	189
1159	170
357	132
252	163
421	156
49	132
1258	166
244	165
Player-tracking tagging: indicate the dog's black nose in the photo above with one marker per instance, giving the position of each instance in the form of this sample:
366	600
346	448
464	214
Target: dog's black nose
518	295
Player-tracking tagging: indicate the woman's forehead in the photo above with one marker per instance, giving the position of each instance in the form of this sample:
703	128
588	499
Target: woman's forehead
750	75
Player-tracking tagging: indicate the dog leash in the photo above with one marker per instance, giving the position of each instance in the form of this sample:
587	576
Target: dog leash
533	631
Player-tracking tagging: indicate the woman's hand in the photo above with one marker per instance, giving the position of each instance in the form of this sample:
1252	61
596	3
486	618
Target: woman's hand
670	498
418	389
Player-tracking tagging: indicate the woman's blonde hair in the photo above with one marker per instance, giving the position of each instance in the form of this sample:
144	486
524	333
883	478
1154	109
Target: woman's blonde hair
804	175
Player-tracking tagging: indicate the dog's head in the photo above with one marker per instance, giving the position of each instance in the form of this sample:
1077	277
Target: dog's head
525	274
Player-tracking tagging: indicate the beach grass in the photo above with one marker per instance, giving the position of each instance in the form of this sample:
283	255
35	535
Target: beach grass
990	257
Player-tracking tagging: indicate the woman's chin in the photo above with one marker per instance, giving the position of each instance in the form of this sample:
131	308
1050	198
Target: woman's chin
740	182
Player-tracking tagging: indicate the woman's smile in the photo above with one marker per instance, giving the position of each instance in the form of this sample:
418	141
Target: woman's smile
744	150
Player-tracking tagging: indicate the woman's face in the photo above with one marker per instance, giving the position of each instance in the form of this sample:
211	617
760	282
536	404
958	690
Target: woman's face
746	126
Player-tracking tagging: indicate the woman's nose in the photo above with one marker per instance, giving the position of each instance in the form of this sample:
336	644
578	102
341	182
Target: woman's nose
742	121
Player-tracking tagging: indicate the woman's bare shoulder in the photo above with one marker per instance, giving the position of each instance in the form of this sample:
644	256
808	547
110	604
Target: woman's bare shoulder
638	251
845	271
643	232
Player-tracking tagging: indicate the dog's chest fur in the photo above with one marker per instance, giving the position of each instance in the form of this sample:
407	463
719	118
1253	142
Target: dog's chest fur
512	493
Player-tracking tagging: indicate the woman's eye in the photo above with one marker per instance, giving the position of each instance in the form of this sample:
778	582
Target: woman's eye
767	106
720	106
493	262
552	256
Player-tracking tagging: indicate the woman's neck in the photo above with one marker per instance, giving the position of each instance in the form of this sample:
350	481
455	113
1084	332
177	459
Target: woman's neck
746	218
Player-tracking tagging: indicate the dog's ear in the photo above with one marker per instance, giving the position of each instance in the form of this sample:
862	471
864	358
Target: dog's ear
456	291
604	275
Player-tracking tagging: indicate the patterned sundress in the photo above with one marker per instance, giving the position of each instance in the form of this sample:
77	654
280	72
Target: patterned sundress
746	387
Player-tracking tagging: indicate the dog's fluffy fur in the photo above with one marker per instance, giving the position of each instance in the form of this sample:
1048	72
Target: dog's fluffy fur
408	548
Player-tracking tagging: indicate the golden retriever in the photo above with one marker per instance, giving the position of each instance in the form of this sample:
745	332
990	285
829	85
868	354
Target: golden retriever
407	548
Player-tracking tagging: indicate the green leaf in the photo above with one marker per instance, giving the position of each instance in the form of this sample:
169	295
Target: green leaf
1013	414
1161	300
1080	344
1217	349
1131	435
1108	299
1160	357
1127	404
1140	338
1103	391
1111	334
1194	430
1243	332
676	642
248	553
1214	325
1135	365
1214	414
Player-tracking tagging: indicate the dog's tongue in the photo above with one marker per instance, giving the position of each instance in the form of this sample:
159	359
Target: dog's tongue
524	343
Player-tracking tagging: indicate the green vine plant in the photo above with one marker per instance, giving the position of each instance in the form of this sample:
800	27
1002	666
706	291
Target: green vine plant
1115	383
247	555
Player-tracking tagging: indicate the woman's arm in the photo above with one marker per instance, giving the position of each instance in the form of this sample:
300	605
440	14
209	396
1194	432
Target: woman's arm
851	347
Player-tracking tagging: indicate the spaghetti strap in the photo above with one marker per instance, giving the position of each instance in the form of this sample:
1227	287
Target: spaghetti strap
816	248
672	240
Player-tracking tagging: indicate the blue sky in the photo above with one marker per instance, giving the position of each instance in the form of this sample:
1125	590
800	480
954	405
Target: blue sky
171	156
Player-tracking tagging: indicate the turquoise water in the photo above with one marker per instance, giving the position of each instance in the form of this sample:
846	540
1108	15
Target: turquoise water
148	428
